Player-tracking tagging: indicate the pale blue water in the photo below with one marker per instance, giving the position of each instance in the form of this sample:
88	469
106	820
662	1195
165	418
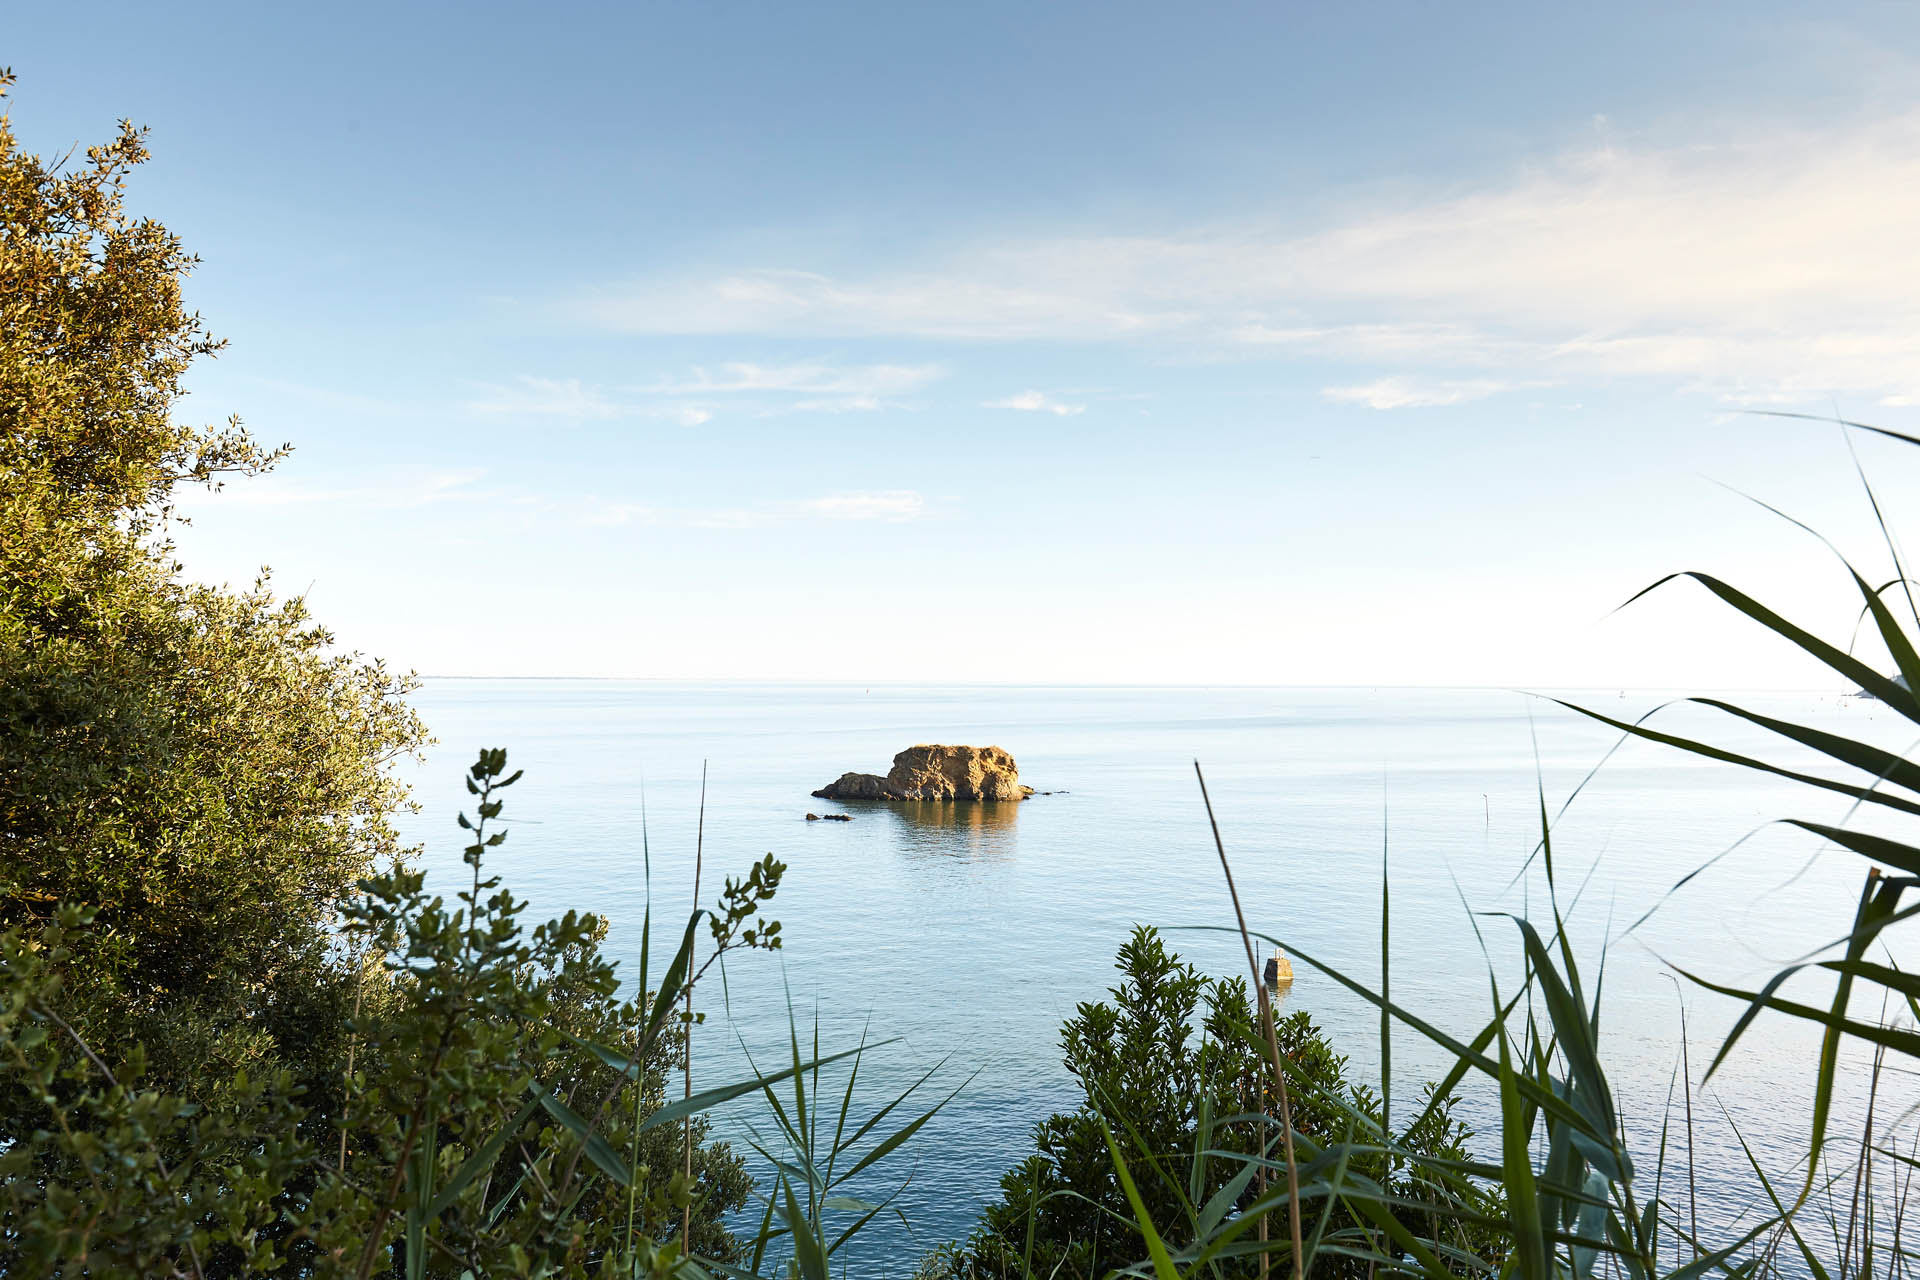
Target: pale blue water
972	938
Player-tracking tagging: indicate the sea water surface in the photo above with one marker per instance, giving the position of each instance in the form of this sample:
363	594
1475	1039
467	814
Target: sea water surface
966	934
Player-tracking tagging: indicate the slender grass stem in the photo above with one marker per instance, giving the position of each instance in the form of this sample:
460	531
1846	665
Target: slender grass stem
686	1131
1273	1039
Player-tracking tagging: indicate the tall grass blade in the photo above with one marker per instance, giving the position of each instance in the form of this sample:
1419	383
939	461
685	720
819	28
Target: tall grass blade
1866	795
1845	664
598	1149
707	1099
809	1255
1386	983
483	1159
1156	1248
1300	1260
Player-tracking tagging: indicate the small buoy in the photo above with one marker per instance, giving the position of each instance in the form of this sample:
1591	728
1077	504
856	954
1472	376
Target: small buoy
1279	970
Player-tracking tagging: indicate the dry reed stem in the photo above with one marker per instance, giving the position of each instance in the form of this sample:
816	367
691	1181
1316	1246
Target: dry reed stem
1273	1041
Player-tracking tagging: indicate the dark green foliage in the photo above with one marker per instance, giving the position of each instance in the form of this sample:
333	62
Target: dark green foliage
488	1040
1176	1071
505	1112
198	767
112	1179
204	918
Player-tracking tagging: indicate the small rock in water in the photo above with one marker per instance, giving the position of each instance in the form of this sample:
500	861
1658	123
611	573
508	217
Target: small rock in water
813	817
839	817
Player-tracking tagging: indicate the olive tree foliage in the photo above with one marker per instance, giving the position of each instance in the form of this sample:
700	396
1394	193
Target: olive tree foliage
505	1112
198	768
238	1034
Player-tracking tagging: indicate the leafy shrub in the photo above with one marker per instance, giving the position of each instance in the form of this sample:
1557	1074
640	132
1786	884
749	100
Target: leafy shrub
505	1112
1176	1067
195	766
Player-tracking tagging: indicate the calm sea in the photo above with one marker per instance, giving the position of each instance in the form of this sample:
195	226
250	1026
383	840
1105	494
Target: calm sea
966	935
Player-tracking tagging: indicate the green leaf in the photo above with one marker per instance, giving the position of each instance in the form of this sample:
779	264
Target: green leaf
1867	795
1874	848
807	1251
1157	1250
1523	1209
1845	663
892	1144
483	1158
707	1098
671	984
598	1149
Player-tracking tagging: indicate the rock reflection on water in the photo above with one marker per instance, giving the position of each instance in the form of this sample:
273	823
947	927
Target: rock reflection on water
982	830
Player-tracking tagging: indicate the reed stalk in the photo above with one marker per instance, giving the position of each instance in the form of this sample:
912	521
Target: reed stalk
1273	1042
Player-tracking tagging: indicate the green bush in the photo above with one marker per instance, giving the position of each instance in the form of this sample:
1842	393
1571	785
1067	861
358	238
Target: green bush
505	1113
197	767
204	915
1176	1066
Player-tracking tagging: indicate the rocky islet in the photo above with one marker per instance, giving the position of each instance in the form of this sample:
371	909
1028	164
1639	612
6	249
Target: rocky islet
936	772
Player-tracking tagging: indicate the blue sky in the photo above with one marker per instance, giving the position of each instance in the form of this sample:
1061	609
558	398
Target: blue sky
1274	344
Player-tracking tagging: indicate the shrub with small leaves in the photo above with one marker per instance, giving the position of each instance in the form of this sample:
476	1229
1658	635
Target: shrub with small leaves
503	1110
1175	1069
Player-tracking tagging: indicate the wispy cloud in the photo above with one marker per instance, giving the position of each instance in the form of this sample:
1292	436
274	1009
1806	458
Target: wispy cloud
694	398
890	505
973	298
1405	393
394	490
1036	402
531	397
869	381
1777	265
883	504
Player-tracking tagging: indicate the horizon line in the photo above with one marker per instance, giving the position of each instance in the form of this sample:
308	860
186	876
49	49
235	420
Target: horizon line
1101	684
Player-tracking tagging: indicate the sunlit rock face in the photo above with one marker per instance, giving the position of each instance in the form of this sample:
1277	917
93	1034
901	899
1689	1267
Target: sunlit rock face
956	773
936	773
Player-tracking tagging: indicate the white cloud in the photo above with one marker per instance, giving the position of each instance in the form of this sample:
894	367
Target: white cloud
862	382
603	514
394	490
691	400
1036	402
842	404
529	397
1437	343
1776	266
883	504
894	505
961	300
1404	393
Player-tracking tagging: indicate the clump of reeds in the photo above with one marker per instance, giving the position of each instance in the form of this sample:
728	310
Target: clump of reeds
1570	1199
